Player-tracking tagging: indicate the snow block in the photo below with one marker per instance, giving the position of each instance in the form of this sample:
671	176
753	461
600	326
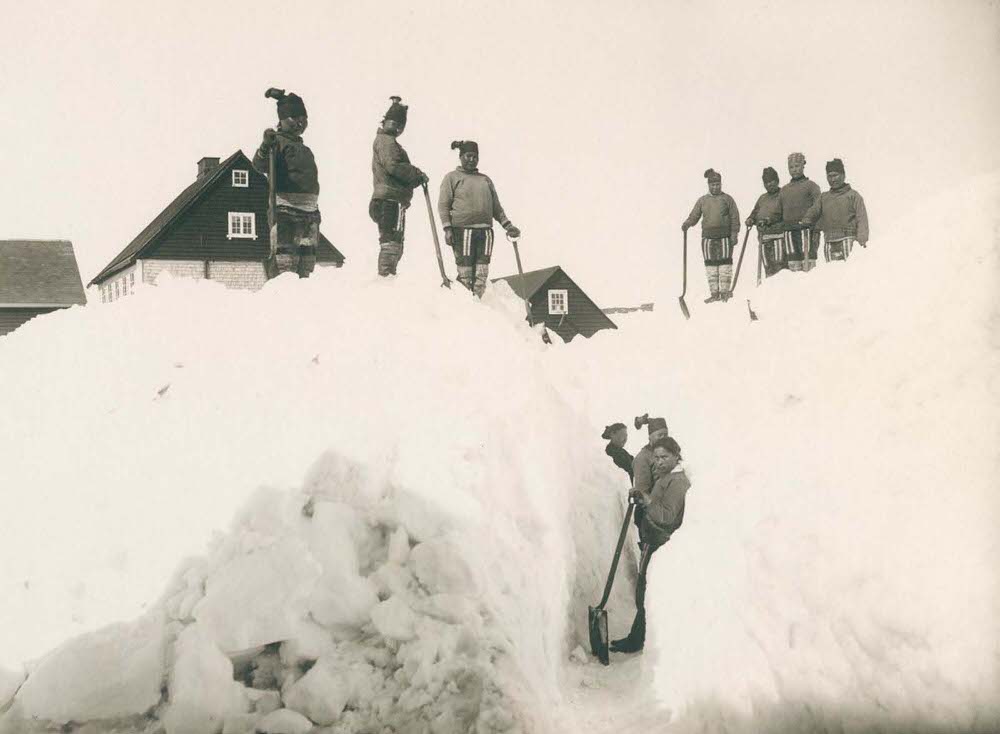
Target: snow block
202	690
258	598
394	619
320	694
284	721
114	672
441	568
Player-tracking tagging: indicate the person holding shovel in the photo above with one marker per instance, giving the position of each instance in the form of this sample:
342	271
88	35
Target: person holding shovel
642	465
720	230
296	186
663	513
468	204
840	213
766	216
801	242
394	179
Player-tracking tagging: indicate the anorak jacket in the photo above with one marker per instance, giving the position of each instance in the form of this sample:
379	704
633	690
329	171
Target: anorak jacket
721	217
469	200
840	213
393	175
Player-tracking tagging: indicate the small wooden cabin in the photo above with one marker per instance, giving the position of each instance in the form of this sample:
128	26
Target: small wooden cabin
37	277
559	302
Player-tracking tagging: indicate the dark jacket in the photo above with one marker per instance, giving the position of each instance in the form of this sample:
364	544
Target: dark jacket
294	164
766	214
796	197
622	458
664	508
393	175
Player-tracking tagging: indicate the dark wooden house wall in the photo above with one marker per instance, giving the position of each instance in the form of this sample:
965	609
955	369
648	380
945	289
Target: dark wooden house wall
11	318
584	316
200	233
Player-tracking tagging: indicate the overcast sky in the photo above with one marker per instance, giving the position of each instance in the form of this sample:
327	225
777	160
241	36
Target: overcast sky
595	120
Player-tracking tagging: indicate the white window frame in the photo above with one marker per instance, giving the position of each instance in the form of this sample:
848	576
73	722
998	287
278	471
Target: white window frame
242	180
242	218
554	310
131	282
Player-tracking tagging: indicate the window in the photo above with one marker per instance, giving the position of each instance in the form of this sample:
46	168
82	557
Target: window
104	295
116	289
131	282
241	178
558	302
242	225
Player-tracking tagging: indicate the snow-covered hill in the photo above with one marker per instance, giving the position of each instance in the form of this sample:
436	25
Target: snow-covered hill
372	506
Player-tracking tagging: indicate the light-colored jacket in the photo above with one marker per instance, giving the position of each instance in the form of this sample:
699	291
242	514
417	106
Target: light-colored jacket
719	215
840	213
664	507
469	200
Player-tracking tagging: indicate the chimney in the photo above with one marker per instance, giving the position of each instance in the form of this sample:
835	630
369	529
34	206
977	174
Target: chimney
206	166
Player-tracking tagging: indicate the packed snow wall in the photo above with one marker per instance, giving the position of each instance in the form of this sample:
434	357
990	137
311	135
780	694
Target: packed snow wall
422	526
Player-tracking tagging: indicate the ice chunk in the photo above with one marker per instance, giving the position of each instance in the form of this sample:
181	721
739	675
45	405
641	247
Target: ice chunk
202	690
258	598
284	721
320	694
115	672
394	619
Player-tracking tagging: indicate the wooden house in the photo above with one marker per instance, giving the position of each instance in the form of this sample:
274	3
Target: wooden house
559	302
37	277
216	229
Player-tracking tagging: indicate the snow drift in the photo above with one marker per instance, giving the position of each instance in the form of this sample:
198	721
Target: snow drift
426	511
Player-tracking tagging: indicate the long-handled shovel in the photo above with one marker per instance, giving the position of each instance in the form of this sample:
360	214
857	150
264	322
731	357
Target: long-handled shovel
271	266
524	290
684	306
739	263
437	245
598	616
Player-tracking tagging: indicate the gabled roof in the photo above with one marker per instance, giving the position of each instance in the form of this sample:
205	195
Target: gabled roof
39	273
184	201
174	209
532	281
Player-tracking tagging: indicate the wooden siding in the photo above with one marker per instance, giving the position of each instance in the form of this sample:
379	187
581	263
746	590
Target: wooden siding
200	233
584	316
12	318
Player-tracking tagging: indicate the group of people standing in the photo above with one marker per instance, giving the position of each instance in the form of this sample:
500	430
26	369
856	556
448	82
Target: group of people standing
659	487
467	204
789	220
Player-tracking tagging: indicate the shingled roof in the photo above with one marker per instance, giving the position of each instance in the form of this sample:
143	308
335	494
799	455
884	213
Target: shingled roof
531	282
39	273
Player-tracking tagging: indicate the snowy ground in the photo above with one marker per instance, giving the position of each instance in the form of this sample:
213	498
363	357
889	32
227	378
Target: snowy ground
423	509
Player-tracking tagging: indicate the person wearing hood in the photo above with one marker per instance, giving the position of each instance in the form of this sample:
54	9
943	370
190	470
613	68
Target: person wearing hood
663	514
766	215
840	214
468	204
720	231
616	435
801	241
296	187
394	179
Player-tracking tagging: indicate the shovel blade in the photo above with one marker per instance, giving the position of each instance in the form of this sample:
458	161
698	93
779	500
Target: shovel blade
684	308
598	623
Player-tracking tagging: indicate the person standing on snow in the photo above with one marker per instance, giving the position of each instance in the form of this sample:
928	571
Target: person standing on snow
720	231
468	204
801	242
616	434
663	513
394	180
296	188
840	214
766	215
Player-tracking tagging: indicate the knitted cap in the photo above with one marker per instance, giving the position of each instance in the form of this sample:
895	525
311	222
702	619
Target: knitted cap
609	431
769	175
835	165
464	146
291	105
396	111
796	158
712	175
656	424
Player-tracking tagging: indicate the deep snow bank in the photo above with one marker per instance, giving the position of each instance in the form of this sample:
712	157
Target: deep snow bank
837	568
428	572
